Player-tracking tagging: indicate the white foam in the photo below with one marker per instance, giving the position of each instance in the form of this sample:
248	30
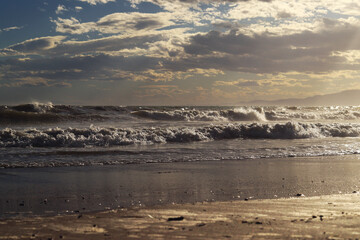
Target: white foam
107	136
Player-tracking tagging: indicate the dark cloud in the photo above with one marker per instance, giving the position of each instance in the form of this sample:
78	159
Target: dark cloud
305	51
284	14
147	23
100	67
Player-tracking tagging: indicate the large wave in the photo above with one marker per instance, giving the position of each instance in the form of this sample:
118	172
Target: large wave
38	113
107	136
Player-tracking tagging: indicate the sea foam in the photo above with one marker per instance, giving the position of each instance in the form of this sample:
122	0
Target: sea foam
110	136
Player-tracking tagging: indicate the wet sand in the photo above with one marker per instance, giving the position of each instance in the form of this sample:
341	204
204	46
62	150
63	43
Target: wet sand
252	199
324	217
52	191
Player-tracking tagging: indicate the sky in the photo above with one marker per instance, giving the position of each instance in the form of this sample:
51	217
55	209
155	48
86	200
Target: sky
176	52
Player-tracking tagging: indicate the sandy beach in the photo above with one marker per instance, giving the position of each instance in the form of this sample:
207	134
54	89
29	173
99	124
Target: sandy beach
294	198
324	217
51	191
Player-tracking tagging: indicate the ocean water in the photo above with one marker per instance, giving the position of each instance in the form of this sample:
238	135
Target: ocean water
47	135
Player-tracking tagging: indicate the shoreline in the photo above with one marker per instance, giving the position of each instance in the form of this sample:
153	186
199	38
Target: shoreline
52	191
320	217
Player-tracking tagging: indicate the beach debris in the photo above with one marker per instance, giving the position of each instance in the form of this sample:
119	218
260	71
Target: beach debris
176	219
200	224
22	204
45	201
251	222
355	191
246	199
321	217
300	195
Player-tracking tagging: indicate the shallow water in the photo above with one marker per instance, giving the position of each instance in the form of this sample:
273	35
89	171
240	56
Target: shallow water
48	191
58	159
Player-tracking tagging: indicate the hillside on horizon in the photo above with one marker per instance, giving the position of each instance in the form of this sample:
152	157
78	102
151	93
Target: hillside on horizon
348	97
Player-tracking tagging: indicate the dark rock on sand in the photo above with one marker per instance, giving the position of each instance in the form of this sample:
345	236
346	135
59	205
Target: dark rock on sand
176	219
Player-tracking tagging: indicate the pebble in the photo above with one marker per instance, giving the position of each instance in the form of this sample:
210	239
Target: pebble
176	219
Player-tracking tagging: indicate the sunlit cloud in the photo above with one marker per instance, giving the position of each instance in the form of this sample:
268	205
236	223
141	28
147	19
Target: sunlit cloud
94	2
60	9
115	23
10	28
234	48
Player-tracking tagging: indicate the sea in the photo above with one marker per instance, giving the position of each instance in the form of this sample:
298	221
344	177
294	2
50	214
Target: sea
39	135
60	159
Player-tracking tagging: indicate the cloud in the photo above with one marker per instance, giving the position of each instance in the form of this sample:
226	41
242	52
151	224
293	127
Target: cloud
78	8
142	50
116	23
305	51
239	83
99	67
152	44
33	45
164	2
60	9
94	2
10	28
109	45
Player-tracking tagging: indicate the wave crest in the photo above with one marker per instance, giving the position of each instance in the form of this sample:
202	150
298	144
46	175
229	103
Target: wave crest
98	136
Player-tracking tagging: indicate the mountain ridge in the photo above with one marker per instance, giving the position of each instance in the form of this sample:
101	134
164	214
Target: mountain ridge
343	98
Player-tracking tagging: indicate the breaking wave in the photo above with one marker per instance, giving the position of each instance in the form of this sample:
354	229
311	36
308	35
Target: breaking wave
108	136
43	113
237	114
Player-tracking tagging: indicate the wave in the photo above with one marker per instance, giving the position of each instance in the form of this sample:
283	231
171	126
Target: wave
38	112
46	113
34	107
237	114
101	136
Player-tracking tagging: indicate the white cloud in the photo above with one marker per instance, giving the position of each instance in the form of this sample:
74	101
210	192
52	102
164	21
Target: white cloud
94	2
78	8
10	28
73	26
125	23
60	9
35	45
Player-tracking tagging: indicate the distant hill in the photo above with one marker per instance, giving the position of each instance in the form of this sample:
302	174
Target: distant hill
349	97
